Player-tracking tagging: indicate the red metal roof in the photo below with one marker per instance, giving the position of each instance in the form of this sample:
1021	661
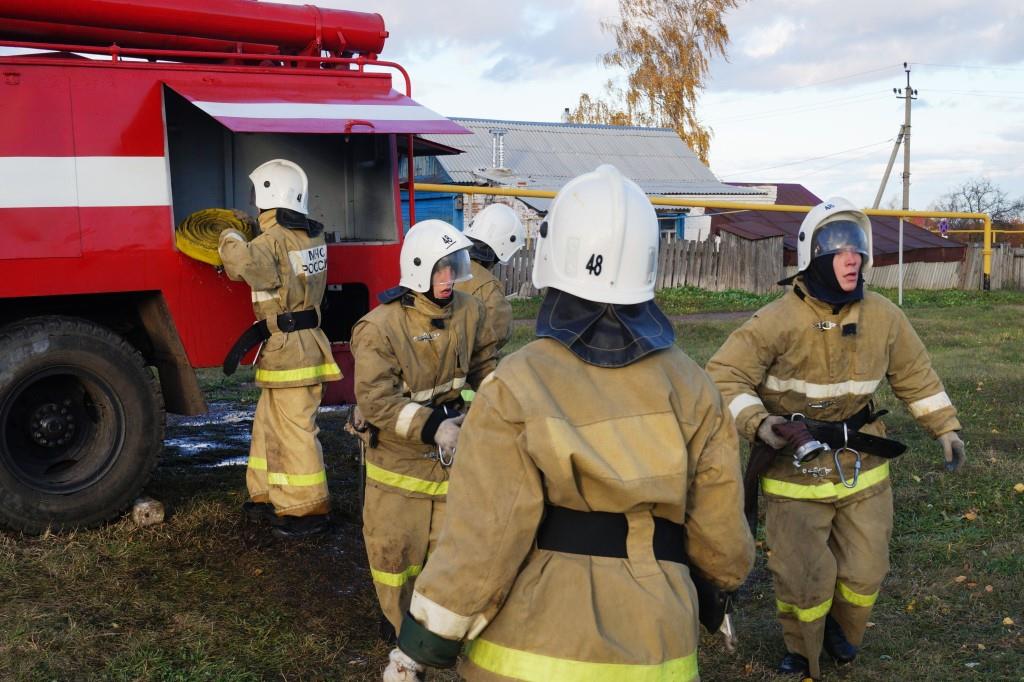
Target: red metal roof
919	245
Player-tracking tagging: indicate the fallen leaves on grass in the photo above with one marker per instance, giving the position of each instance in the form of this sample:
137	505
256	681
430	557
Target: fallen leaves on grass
1019	488
970	515
960	579
1008	621
988	588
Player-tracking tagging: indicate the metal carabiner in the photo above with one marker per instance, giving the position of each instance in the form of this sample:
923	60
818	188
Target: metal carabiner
856	461
446	461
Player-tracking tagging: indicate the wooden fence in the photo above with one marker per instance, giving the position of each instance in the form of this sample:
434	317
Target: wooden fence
756	266
716	265
1007	272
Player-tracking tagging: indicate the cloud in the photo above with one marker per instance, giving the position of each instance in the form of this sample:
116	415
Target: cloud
778	44
517	41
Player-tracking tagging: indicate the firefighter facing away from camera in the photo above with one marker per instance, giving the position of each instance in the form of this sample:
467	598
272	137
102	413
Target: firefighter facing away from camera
598	471
496	233
817	355
286	268
414	356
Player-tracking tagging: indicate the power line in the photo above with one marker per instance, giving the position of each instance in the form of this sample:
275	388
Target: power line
806	107
846	77
967	66
999	94
845	161
813	158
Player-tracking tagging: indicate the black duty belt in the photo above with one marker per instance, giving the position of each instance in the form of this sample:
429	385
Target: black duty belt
846	434
260	332
604	534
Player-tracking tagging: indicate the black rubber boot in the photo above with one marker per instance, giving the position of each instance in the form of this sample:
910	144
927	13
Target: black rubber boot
794	664
297	527
259	512
836	645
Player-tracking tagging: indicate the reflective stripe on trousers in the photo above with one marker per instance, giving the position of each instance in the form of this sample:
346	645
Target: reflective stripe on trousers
525	665
824	491
813	613
295	480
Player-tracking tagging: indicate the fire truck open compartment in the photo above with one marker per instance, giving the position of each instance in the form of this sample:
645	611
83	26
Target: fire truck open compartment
350	176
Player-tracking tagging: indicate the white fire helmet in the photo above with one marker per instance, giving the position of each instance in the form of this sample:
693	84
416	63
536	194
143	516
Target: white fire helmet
600	240
281	184
429	243
499	227
830	227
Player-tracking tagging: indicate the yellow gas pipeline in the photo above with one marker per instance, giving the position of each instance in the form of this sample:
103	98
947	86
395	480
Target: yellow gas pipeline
196	236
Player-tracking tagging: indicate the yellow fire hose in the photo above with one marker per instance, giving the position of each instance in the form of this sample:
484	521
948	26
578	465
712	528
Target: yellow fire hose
197	235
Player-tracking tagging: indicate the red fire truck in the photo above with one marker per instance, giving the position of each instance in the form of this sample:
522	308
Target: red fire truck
128	116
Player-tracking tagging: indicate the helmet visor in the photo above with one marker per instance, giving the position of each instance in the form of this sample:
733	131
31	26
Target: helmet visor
838	236
451	268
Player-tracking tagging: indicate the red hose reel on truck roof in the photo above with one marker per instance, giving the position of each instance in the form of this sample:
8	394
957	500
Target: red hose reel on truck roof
180	25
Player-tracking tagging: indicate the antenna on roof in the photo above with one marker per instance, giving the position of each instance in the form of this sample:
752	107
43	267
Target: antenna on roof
497	147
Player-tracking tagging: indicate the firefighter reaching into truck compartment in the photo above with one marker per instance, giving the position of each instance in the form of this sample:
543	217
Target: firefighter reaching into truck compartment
594	460
496	233
414	355
816	356
286	268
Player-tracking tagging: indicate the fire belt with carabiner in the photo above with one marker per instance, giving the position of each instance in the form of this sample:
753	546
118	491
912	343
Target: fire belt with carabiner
844	436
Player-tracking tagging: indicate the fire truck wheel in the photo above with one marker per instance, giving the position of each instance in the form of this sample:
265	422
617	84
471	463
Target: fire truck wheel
81	424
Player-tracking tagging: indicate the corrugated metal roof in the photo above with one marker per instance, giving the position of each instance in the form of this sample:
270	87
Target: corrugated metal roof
918	244
547	155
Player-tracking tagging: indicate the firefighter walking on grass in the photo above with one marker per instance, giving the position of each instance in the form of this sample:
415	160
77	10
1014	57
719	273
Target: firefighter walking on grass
496	233
594	460
414	356
286	268
817	355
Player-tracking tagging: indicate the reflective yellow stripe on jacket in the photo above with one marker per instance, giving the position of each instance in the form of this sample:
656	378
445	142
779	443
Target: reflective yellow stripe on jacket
824	491
301	374
410	483
531	667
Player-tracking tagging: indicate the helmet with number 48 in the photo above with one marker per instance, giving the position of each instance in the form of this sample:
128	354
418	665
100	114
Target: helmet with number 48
600	240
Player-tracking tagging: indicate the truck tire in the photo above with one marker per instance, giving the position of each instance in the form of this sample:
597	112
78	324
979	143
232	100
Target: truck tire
81	424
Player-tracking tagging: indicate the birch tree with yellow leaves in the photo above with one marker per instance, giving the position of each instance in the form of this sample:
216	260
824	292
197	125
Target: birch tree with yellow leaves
665	47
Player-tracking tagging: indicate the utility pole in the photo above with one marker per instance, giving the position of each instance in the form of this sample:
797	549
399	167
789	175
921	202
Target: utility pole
888	169
906	94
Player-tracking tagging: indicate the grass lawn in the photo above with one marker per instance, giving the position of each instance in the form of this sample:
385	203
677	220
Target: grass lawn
205	596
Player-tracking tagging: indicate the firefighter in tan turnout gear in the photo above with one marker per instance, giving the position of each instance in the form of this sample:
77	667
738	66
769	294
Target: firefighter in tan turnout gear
819	353
598	473
414	355
286	268
496	233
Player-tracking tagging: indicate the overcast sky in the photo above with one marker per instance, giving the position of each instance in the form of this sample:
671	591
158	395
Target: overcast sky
806	95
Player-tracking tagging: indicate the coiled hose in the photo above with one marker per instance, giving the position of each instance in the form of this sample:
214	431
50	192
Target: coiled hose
197	235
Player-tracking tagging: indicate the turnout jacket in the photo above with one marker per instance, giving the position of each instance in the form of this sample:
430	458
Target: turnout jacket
485	286
650	439
412	357
287	272
797	355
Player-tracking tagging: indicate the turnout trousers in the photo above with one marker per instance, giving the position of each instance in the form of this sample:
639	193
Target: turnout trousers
827	558
286	461
399	532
